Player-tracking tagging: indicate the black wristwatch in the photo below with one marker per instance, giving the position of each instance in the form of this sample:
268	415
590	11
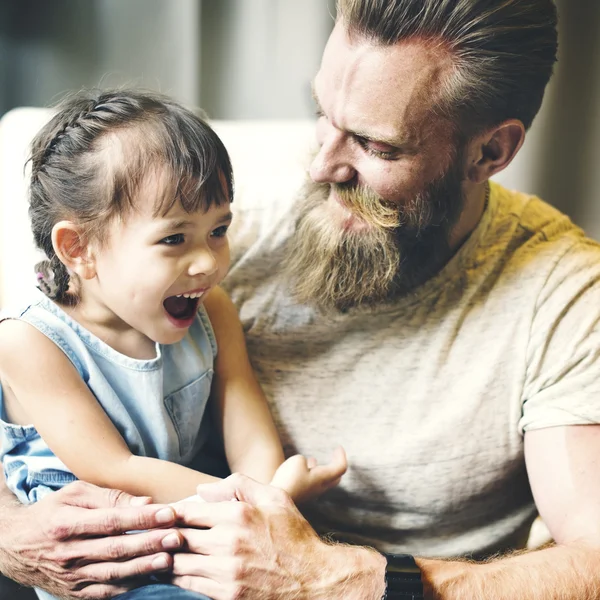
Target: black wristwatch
402	578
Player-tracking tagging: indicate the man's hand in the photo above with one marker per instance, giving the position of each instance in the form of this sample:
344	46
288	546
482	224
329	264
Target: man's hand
71	543
302	478
262	548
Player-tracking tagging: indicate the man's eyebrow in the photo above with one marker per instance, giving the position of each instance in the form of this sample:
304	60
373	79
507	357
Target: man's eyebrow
403	142
396	142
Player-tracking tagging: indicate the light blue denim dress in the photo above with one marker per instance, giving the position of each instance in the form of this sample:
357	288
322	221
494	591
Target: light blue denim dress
157	405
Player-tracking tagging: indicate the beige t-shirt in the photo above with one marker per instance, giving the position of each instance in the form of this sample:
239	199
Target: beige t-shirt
430	396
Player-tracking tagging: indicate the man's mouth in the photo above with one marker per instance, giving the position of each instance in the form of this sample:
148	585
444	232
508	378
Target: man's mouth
183	307
346	215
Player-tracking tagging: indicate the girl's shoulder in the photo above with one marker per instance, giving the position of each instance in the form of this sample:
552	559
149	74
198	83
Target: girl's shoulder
15	333
36	326
15	329
23	343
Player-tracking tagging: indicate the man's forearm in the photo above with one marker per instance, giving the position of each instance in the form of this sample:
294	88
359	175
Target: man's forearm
569	572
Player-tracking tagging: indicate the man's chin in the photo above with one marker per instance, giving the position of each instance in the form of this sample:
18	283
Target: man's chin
337	262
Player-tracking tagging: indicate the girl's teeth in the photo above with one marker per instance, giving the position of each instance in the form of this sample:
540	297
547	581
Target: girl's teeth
192	296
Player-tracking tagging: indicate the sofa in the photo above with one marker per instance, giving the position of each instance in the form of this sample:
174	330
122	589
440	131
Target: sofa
269	160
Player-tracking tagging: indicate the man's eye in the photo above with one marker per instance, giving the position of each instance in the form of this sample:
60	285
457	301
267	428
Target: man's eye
173	240
220	232
383	151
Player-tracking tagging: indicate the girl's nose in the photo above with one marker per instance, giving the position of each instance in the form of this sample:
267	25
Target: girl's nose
204	263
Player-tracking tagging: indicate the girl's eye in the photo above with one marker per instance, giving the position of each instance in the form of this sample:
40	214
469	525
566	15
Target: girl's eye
173	240
220	232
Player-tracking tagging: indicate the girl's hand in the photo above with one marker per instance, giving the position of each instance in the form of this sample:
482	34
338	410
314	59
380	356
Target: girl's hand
302	478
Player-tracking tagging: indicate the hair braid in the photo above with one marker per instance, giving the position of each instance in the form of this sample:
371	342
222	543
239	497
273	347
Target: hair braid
61	128
53	279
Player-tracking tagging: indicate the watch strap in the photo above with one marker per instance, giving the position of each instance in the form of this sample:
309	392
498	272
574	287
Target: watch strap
402	578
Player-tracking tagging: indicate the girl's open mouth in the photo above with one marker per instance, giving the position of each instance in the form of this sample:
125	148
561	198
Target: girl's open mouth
181	309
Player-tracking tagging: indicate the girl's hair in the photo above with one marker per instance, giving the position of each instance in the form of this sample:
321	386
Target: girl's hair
88	162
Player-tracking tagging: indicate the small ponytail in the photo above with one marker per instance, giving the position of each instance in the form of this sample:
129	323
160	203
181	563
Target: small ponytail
53	280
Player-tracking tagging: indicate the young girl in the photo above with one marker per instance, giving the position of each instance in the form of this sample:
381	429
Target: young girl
106	376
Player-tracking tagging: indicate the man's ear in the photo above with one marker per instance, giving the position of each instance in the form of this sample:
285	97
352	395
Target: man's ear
73	250
492	151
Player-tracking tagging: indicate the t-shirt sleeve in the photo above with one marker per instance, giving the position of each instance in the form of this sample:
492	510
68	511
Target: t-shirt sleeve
562	380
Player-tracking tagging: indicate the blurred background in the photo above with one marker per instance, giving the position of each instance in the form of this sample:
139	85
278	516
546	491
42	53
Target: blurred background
254	59
237	59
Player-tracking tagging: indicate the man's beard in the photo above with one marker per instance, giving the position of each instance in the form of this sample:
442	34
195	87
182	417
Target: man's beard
397	249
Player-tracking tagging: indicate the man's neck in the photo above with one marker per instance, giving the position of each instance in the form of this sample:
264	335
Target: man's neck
476	199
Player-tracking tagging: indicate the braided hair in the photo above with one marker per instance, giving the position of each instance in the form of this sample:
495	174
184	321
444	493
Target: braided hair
79	174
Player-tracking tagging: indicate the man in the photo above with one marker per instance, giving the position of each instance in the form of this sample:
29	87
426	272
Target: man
443	330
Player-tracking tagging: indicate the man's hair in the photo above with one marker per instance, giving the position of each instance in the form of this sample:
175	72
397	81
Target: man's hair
502	51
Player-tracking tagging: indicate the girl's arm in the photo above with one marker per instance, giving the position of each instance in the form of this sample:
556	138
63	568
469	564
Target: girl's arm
51	393
251	441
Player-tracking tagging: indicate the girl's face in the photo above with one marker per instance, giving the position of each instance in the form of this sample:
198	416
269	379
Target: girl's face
151	272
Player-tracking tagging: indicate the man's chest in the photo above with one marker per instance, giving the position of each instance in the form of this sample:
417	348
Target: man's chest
426	408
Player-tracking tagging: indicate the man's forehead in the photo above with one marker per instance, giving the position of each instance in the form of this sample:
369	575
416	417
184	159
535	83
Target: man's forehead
389	88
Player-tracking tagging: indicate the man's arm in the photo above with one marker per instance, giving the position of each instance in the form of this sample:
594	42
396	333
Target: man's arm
271	547
71	543
564	472
566	572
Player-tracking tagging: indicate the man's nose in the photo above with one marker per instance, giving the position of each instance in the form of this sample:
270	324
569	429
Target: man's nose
333	162
204	263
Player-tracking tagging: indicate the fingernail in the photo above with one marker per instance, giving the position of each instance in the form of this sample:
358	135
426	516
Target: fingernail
171	541
165	515
160	563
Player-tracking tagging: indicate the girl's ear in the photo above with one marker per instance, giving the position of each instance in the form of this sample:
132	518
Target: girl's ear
73	250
